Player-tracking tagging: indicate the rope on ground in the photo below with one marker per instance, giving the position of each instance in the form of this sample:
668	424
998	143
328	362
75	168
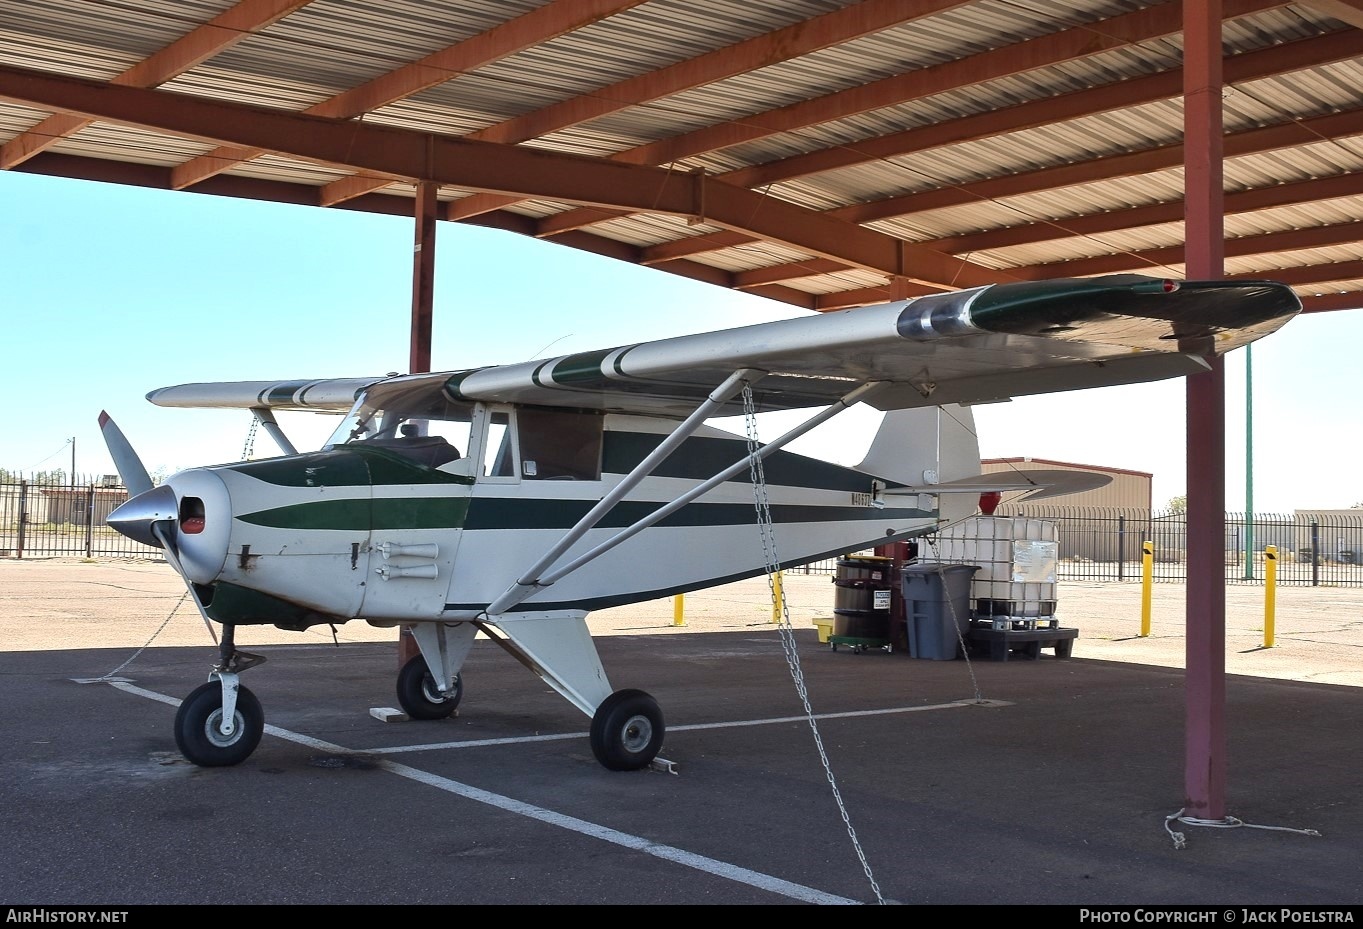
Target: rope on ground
1230	822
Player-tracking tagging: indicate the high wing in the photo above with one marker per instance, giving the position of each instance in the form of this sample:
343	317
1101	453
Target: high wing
970	346
334	395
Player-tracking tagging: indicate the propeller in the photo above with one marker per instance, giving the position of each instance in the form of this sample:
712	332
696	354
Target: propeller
151	513
126	462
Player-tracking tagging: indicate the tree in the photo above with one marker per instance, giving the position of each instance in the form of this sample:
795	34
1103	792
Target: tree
1178	504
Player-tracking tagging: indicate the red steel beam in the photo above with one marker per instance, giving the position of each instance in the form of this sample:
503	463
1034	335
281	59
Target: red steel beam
1244	201
1251	65
1324	303
524	31
1284	135
1168	257
199	44
795	40
1067	45
1315	191
473	165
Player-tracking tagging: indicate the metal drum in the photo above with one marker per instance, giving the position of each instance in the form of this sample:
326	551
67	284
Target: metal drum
861	598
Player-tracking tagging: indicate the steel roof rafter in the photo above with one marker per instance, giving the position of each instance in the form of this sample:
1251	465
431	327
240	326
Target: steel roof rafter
199	44
529	172
1244	201
1067	45
1251	65
502	40
802	38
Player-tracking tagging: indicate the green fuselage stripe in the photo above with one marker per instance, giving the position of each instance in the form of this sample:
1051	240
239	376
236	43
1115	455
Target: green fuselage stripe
510	513
362	515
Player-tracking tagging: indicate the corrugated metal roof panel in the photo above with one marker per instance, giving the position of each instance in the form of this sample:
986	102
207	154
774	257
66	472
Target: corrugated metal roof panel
328	46
130	30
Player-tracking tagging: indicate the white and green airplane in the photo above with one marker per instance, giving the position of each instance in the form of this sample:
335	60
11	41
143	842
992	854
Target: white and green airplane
513	500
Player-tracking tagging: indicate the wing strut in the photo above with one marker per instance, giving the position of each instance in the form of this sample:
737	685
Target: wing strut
529	582
534	580
265	416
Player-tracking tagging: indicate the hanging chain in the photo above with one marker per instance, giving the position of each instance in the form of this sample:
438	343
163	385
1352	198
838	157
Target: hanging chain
248	450
773	565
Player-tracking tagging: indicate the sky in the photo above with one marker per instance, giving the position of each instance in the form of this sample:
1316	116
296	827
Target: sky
108	292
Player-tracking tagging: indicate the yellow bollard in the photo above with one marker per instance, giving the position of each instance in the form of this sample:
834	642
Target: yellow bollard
777	598
678	611
1270	591
1147	582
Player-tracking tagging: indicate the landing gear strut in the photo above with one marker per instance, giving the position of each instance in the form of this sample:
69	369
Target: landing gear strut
220	723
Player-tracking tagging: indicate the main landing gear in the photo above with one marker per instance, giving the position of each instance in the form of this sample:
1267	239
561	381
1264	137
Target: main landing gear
220	723
627	730
419	695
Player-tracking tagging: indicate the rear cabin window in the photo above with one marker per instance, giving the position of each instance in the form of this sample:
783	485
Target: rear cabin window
561	445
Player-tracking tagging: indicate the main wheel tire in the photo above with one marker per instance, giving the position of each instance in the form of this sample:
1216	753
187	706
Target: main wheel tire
198	727
419	696
627	730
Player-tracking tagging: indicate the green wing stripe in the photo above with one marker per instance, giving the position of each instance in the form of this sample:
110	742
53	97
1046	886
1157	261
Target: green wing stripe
583	368
1139	312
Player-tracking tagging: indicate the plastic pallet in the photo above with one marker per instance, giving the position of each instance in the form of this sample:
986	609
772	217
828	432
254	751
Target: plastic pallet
1000	644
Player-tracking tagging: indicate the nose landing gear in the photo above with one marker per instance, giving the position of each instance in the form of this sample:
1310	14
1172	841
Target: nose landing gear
220	723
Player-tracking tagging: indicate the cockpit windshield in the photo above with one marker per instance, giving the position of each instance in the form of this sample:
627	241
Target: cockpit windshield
411	416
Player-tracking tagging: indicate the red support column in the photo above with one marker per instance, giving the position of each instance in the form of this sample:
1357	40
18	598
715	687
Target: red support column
1204	234
423	278
423	299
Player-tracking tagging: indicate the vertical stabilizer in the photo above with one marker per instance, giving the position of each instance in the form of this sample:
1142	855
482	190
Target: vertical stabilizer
928	445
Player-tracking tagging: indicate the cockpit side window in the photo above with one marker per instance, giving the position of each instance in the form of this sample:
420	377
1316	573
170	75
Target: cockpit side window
560	445
499	454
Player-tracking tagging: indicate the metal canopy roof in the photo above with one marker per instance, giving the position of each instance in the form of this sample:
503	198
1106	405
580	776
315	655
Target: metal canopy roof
824	153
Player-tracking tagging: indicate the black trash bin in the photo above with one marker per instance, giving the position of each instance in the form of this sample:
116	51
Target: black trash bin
937	608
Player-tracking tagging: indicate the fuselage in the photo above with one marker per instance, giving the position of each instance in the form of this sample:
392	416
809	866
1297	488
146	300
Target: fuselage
367	530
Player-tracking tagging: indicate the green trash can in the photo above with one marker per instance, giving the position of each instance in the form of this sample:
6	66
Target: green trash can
937	608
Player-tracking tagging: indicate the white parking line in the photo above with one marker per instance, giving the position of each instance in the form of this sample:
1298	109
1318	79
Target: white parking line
666	852
694	727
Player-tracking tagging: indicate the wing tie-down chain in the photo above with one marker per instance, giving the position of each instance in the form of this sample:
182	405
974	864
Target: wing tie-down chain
773	564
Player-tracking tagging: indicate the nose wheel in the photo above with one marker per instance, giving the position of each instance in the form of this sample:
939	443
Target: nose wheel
211	738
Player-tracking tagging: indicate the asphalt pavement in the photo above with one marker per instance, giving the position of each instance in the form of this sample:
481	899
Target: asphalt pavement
792	773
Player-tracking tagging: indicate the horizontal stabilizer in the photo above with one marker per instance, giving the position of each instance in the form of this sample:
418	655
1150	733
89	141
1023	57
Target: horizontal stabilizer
1033	484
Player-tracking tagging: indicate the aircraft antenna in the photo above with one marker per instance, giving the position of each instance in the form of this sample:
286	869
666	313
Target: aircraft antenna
773	565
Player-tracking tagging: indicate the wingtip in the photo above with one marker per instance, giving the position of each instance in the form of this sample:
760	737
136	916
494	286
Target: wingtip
103	418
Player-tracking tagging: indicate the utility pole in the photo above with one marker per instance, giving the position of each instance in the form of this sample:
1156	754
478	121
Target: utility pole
73	461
